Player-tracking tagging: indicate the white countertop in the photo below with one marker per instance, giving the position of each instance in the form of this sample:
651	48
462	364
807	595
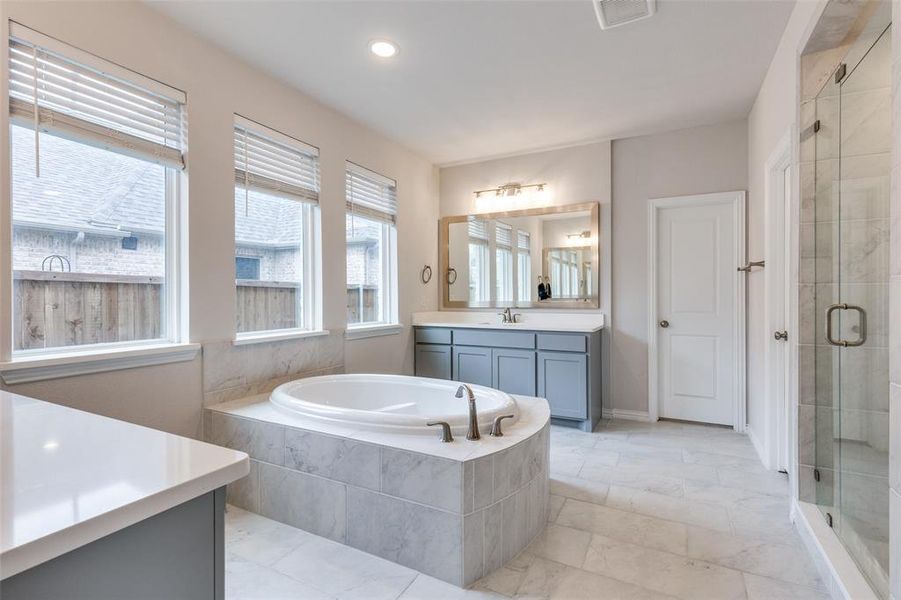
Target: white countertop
70	477
534	413
528	321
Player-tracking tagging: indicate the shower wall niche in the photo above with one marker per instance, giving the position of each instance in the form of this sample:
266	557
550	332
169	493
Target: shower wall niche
844	277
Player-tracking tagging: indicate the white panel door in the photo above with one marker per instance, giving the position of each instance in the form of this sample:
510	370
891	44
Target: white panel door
695	313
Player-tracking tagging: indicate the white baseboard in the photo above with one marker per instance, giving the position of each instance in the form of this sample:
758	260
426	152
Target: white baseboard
629	415
836	567
758	446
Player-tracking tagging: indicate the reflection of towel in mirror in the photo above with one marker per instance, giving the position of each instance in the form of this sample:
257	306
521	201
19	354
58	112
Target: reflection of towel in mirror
542	294
547	289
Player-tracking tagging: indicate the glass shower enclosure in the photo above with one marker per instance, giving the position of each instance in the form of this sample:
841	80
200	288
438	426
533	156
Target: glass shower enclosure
849	268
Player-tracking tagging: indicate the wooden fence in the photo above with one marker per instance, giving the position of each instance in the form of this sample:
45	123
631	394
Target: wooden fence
54	309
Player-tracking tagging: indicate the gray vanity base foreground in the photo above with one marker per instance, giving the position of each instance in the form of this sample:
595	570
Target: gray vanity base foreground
178	553
455	520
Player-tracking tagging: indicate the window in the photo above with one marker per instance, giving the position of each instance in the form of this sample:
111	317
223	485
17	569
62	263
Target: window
96	160
247	268
276	231
503	242
524	266
479	267
371	236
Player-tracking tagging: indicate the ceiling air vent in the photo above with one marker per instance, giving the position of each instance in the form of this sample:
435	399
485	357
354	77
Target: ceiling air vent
613	13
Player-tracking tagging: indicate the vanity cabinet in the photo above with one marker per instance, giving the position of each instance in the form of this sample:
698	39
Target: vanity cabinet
472	364
513	371
562	380
433	360
563	367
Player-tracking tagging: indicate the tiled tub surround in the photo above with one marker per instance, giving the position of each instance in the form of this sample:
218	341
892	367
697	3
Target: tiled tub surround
454	511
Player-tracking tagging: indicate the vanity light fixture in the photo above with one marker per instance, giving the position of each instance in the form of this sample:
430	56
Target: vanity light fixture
383	48
510	189
584	234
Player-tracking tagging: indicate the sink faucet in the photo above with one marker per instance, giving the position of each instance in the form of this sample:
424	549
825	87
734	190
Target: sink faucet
508	316
473	433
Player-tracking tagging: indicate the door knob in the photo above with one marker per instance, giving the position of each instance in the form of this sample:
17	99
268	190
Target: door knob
781	335
664	323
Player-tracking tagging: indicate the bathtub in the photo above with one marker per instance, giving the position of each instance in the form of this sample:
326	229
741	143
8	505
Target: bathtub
391	403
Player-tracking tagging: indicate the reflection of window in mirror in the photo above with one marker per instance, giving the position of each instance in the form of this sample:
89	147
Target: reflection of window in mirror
479	267
524	266
503	248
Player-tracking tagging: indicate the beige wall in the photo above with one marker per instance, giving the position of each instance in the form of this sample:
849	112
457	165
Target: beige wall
679	163
218	85
773	114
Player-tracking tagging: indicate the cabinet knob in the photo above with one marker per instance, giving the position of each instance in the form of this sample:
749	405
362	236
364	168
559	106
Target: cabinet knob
664	323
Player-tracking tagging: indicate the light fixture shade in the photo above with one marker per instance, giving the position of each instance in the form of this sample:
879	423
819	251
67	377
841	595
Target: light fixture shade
383	48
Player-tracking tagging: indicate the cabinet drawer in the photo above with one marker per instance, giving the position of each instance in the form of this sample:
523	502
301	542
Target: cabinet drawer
494	338
563	342
432	335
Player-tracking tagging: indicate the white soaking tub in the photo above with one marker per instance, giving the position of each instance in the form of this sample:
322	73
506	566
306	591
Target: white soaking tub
392	403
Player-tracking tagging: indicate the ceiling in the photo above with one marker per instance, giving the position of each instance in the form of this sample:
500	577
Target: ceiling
476	79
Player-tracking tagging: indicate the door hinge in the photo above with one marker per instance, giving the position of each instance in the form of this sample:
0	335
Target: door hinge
829	519
816	474
841	72
816	126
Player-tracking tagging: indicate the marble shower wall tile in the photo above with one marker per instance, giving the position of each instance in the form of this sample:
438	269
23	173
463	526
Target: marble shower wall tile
332	457
409	534
304	501
226	366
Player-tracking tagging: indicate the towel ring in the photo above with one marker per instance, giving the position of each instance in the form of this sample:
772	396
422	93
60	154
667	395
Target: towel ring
426	274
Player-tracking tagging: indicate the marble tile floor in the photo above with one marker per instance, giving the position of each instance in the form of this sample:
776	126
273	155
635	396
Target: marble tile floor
638	510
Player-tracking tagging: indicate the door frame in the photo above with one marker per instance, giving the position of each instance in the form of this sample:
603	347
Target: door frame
736	200
777	437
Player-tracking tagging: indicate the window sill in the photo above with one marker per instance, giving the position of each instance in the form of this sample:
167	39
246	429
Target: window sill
261	337
25	369
368	331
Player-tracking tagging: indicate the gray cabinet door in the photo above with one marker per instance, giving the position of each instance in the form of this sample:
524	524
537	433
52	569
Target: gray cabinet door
433	361
472	365
563	380
513	371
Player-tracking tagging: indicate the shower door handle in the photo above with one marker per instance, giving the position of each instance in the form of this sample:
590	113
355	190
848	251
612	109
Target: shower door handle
863	325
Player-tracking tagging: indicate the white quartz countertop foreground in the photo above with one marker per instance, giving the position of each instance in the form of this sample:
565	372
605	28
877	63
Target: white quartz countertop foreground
527	321
71	477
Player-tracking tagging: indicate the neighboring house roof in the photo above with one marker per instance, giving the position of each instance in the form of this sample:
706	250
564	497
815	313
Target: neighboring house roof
83	188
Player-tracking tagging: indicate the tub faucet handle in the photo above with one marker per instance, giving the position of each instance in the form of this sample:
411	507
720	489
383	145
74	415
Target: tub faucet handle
496	427
446	435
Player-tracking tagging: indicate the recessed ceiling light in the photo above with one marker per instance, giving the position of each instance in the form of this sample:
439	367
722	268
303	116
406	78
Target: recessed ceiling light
383	48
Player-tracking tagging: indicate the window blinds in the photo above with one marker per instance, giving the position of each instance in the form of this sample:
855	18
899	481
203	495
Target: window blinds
503	235
272	163
523	241
370	195
478	229
91	103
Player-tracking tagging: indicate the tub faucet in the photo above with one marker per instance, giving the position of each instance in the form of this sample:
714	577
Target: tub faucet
473	433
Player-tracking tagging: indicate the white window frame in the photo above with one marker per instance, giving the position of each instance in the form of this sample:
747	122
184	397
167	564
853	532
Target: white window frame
24	366
389	321
309	292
